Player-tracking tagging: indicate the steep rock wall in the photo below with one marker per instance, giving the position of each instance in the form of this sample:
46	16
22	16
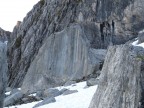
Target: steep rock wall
3	72
121	82
64	56
51	16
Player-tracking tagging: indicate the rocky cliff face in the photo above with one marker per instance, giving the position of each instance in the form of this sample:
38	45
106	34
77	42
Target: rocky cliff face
121	82
3	72
82	25
4	35
66	55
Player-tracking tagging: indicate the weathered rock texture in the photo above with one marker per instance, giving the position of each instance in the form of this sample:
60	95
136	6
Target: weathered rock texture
120	83
3	72
102	22
4	35
66	55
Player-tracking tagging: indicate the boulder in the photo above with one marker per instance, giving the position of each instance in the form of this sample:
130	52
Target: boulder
67	92
120	83
45	101
92	82
13	99
51	93
49	17
13	91
68	83
3	72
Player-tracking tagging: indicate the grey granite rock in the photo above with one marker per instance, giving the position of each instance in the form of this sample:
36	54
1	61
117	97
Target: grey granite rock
3	72
67	92
48	17
10	100
64	56
45	101
4	35
92	82
120	80
68	83
51	92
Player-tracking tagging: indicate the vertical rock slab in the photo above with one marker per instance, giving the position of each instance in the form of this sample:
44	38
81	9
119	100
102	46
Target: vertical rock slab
120	80
3	72
64	56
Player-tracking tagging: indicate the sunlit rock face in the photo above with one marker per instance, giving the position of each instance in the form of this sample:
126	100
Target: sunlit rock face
3	72
94	24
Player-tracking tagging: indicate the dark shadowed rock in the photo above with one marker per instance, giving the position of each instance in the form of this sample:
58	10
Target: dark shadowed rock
3	72
120	80
45	101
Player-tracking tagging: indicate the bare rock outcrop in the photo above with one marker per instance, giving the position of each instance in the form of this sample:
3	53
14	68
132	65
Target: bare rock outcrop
4	35
3	72
64	56
121	82
52	17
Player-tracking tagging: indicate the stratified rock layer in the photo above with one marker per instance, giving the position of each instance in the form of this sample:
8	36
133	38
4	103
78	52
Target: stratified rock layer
120	83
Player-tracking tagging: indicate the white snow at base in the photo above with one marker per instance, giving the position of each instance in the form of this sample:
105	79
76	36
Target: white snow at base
80	99
7	93
135	43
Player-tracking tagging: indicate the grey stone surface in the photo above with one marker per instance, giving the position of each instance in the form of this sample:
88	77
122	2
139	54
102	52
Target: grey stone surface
10	100
13	91
63	90
48	17
45	101
67	92
92	82
120	80
8	89
68	83
64	56
141	38
4	35
3	72
51	92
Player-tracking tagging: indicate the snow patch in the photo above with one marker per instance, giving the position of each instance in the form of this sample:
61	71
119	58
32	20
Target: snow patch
135	43
7	93
80	99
